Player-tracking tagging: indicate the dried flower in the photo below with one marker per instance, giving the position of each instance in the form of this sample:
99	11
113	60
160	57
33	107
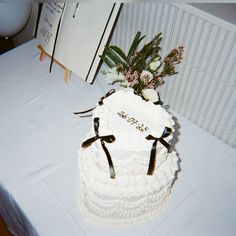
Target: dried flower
150	95
154	65
146	76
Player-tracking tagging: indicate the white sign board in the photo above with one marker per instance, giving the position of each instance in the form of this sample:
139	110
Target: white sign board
83	33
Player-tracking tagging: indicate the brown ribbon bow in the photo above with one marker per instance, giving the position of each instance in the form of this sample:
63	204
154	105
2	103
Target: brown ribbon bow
99	103
167	131
103	139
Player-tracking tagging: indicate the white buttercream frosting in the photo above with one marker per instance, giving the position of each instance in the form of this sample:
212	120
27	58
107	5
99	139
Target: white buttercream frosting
132	196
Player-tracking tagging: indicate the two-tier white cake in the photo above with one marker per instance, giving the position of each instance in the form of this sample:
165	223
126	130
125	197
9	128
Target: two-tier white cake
126	165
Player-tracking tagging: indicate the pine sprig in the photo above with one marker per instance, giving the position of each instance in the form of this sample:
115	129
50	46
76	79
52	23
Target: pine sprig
147	53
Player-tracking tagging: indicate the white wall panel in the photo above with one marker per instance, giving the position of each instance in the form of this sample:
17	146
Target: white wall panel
204	91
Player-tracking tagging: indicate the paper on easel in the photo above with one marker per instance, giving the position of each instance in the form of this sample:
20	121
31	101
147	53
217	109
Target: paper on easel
47	27
84	31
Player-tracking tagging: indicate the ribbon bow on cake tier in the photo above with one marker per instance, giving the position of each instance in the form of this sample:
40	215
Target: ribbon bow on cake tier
103	139
167	131
100	103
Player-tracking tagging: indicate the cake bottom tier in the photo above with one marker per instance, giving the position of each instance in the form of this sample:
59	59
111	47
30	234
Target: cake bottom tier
98	209
127	199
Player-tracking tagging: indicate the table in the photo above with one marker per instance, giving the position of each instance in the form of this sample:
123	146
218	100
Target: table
39	140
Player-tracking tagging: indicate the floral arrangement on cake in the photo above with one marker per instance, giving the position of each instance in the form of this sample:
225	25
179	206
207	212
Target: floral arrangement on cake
143	69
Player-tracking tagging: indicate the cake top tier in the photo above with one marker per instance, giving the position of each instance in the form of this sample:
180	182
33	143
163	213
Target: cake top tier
127	115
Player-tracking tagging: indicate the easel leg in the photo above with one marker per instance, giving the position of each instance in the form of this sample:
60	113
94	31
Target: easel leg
42	55
67	75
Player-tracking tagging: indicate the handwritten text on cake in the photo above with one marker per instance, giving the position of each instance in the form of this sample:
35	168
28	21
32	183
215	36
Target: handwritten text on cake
133	121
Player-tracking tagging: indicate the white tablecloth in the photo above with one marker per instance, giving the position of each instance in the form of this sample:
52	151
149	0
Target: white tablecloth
39	139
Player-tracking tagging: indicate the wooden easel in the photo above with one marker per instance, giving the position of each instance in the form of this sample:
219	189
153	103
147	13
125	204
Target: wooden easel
42	56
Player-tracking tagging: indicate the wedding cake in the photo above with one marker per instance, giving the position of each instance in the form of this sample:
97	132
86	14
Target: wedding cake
126	164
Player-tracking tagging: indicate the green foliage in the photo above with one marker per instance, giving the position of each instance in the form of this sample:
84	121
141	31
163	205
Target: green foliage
136	41
133	60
